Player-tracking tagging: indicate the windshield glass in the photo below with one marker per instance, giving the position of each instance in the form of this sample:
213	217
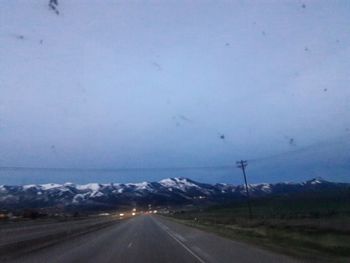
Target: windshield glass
108	106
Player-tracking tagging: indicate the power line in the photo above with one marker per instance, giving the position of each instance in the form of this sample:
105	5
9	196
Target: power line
178	168
335	140
218	167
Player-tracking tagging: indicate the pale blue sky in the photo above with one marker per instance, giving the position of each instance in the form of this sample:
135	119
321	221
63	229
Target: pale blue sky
130	84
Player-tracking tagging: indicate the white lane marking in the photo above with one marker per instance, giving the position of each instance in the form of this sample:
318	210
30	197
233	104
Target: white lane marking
180	237
179	241
165	227
130	244
201	252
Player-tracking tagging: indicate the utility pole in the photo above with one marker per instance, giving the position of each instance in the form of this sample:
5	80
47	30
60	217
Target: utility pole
242	165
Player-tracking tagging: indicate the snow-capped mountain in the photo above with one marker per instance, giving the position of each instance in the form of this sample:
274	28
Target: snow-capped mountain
169	191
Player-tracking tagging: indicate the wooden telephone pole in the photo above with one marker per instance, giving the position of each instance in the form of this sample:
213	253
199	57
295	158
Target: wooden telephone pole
242	165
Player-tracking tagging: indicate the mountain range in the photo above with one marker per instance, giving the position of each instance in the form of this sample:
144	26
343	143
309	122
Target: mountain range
167	192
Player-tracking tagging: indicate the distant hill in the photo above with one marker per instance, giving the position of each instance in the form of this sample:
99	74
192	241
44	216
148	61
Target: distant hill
167	192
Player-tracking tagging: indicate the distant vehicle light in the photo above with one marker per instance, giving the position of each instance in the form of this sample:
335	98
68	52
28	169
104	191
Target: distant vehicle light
133	213
103	214
155	212
121	214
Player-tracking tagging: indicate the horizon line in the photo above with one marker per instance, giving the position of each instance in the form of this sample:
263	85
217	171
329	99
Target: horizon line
117	169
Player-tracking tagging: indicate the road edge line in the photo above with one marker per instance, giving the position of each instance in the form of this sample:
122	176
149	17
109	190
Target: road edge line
179	241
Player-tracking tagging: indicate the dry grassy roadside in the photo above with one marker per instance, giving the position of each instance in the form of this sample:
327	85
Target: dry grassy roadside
313	225
313	248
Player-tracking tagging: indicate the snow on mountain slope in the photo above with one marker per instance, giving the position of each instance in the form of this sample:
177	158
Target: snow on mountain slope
141	186
50	186
178	183
262	187
91	186
30	186
167	191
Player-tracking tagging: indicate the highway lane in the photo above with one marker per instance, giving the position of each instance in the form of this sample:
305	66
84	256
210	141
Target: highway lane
151	239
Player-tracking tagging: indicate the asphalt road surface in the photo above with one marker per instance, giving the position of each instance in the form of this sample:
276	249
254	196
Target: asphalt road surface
152	239
17	232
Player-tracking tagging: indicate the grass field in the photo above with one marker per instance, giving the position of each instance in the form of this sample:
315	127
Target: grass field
313	225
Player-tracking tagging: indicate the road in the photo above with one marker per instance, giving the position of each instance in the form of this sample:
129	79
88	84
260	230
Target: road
151	239
32	230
